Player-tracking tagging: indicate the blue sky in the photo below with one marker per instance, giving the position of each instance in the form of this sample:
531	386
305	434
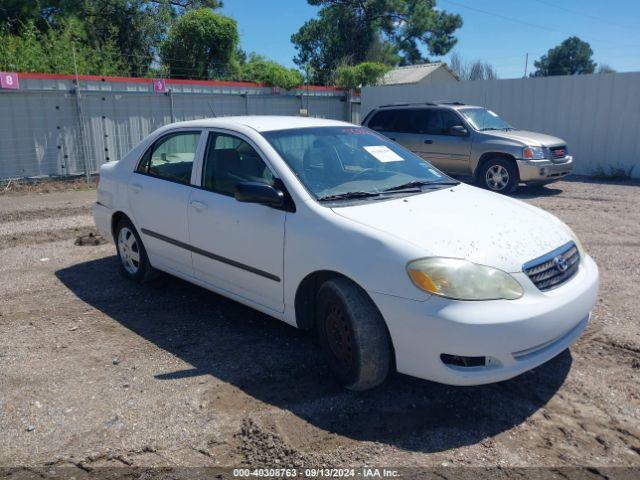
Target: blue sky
498	31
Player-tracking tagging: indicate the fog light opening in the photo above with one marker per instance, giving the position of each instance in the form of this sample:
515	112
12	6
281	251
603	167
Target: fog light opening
460	361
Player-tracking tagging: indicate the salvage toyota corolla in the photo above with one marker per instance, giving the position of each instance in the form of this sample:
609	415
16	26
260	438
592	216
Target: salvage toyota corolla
337	230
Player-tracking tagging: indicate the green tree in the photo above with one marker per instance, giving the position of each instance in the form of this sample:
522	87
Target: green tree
346	31
259	69
135	27
57	51
201	44
361	75
571	57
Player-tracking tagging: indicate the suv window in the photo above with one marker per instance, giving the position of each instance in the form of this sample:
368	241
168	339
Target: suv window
449	119
230	160
171	157
384	120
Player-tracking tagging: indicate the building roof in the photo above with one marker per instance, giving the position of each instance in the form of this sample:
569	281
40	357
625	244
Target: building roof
413	73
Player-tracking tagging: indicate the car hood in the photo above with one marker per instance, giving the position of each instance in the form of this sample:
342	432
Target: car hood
527	138
465	222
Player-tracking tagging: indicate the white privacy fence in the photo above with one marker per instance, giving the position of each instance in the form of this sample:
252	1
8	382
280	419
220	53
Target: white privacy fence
598	115
49	127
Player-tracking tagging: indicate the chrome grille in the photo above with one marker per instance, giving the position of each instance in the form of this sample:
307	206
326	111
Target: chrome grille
553	269
558	153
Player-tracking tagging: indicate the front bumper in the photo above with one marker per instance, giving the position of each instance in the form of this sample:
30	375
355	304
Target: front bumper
515	335
544	171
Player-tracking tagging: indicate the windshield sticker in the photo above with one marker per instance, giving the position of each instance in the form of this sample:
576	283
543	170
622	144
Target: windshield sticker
383	153
435	173
491	113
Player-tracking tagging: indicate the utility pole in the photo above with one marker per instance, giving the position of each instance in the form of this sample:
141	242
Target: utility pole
526	64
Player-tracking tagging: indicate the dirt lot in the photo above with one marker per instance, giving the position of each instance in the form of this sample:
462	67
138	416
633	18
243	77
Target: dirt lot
98	371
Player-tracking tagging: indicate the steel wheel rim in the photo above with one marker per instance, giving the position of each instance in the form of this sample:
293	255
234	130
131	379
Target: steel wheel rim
129	250
497	177
339	335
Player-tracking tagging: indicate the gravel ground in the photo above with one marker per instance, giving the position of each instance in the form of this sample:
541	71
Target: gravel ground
97	371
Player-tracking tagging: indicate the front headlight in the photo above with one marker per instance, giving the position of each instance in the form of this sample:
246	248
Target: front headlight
462	280
533	153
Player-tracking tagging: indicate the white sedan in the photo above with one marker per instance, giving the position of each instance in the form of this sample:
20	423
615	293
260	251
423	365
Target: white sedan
337	230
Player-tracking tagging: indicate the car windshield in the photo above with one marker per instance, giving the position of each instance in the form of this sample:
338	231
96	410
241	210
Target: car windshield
337	163
482	119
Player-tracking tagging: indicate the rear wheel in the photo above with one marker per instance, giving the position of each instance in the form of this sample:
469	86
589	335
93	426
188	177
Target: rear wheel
353	335
134	263
498	175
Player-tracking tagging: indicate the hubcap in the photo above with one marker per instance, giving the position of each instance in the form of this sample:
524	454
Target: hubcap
339	335
497	177
129	251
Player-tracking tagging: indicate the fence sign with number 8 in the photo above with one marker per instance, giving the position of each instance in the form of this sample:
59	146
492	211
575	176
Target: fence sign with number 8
9	80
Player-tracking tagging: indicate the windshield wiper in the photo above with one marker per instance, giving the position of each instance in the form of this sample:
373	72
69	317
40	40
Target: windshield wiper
489	128
348	195
419	183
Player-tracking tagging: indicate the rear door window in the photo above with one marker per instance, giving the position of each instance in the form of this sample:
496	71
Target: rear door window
171	157
384	120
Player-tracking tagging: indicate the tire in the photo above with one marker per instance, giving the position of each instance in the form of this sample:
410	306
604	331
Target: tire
498	175
353	335
134	262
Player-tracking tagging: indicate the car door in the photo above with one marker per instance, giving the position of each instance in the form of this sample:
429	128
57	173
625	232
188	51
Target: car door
445	150
237	247
159	192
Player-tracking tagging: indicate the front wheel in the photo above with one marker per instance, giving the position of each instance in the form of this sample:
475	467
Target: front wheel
498	175
353	335
134	262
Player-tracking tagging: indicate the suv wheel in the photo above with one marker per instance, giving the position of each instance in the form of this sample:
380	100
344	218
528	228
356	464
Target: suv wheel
498	175
353	335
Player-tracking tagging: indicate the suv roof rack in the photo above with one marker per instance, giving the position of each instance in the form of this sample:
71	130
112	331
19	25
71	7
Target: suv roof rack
407	104
451	103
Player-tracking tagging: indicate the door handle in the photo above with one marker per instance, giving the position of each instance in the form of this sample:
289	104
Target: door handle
428	142
199	206
392	139
136	187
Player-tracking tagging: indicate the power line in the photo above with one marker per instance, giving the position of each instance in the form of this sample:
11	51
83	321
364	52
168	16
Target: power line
504	17
586	15
517	20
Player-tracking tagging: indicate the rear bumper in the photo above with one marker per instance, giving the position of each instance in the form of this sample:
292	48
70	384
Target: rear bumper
102	218
544	171
514	336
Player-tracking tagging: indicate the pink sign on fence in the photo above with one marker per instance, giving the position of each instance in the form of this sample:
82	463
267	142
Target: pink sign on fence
159	85
9	80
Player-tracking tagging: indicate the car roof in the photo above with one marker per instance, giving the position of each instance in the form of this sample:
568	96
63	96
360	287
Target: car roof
261	123
400	106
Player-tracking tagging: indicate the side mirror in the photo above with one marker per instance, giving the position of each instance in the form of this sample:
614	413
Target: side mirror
458	131
257	192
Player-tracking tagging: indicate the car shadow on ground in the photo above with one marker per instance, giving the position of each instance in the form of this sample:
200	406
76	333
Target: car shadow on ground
282	366
535	191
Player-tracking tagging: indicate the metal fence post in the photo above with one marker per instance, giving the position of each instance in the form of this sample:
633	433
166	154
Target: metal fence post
170	95
83	151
